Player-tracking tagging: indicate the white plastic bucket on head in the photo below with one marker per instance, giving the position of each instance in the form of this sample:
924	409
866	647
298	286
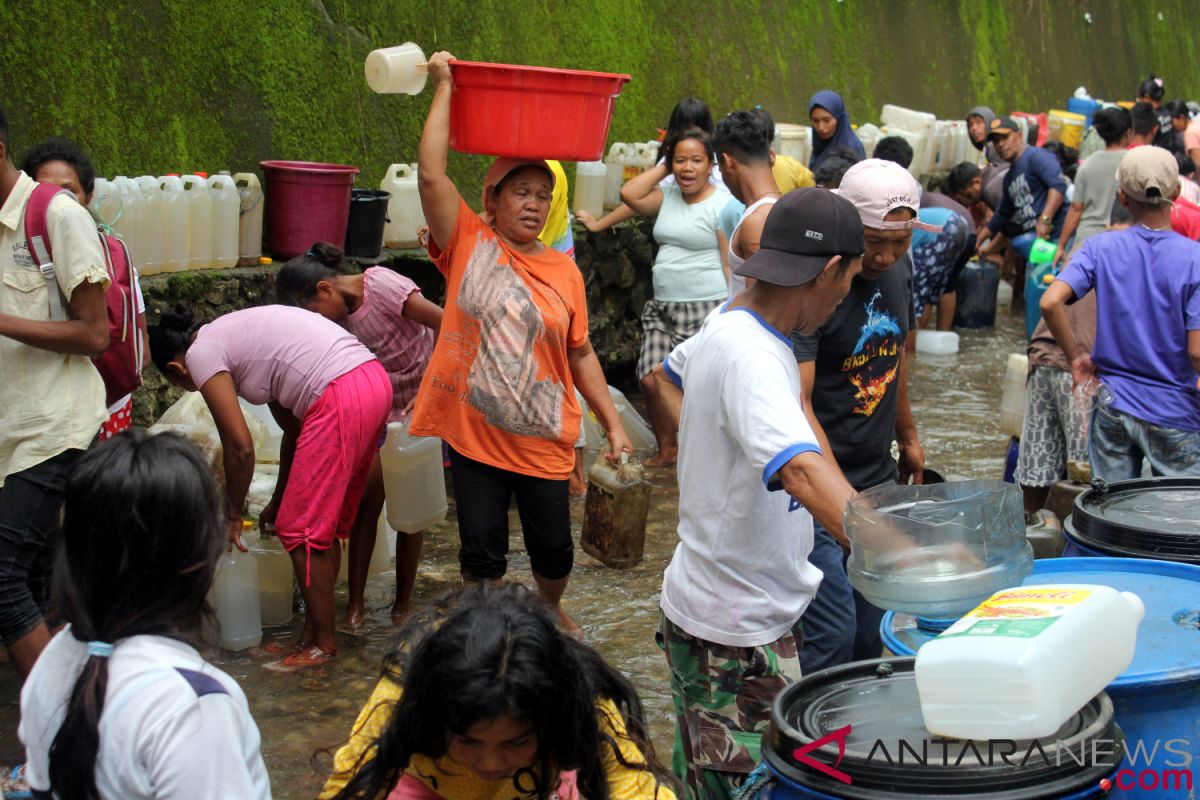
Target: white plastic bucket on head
938	343
397	70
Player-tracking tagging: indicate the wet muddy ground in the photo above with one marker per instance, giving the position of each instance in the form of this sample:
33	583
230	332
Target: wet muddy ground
956	401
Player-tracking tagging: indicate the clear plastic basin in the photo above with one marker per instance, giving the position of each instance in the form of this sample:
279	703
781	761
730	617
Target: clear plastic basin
937	551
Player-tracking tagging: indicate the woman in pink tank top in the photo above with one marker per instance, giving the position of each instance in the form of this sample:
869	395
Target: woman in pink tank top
390	316
330	396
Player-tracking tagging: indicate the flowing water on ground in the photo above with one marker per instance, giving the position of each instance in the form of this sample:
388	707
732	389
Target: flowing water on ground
956	401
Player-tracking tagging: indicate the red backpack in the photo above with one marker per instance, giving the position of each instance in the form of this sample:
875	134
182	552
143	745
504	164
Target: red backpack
121	364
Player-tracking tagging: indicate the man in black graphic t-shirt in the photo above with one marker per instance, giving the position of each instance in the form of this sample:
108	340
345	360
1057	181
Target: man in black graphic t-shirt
854	380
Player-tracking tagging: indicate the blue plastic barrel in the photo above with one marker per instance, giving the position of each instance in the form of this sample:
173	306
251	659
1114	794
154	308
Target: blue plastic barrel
1157	699
1086	107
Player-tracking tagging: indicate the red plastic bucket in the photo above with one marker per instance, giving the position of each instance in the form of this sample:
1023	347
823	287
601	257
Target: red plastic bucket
307	202
531	112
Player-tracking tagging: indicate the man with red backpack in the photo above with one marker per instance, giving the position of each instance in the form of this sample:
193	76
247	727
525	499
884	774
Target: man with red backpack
51	396
61	164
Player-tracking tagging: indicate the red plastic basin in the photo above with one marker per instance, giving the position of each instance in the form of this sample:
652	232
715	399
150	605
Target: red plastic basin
531	112
307	202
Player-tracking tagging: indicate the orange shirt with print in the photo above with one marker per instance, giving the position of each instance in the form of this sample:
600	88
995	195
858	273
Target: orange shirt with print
498	388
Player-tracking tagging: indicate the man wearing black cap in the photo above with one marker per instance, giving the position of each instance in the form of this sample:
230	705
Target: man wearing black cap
1034	188
740	578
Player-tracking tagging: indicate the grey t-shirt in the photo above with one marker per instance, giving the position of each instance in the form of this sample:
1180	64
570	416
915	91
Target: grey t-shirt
1096	190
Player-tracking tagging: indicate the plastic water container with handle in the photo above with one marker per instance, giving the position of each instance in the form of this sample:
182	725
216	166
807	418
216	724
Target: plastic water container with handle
200	239
615	162
132	222
175	229
234	596
250	218
590	178
275	577
1021	663
414	482
1012	397
106	203
226	210
404	211
397	70
154	218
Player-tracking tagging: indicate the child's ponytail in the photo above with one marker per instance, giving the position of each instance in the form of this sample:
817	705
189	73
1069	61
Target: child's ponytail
297	281
77	743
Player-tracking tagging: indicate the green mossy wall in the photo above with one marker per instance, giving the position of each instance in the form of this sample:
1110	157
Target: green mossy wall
159	86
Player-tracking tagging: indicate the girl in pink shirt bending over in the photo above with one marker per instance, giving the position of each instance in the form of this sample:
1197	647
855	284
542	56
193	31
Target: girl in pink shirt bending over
388	314
330	396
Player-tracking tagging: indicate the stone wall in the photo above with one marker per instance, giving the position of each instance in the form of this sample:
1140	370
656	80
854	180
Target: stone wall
616	267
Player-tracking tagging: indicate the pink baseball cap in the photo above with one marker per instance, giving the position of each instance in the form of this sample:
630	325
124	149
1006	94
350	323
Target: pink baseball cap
877	188
504	165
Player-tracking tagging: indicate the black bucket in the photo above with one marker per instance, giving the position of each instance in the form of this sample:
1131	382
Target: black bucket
976	289
368	215
873	708
1156	518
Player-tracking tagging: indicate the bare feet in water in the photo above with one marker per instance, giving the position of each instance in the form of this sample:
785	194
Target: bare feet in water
666	457
567	625
354	623
400	615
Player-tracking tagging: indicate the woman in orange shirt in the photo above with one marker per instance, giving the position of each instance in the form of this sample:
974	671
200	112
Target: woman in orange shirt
500	387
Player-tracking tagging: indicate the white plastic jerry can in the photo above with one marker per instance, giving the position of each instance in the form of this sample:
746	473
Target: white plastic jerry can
130	226
154	220
175	211
226	209
234	596
590	179
414	482
199	222
250	219
106	203
615	162
275	577
1026	659
404	212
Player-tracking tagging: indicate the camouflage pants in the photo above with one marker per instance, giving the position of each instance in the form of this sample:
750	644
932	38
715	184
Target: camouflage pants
722	699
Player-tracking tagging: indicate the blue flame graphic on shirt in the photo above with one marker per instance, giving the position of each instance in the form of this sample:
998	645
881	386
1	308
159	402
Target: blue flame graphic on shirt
878	323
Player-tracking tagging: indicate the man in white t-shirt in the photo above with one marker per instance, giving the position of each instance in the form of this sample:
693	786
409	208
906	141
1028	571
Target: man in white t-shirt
740	577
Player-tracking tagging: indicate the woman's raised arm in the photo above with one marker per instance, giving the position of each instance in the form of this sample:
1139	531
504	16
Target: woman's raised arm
439	196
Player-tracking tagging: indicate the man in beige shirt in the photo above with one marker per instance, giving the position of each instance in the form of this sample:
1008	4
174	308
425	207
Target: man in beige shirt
51	397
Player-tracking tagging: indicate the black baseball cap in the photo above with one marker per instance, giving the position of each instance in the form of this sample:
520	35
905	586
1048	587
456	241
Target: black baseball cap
805	229
1003	126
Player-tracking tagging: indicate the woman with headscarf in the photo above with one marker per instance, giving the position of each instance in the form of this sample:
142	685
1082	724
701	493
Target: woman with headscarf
831	127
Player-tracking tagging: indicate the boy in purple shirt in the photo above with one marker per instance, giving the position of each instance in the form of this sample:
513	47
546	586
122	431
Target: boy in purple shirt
1147	350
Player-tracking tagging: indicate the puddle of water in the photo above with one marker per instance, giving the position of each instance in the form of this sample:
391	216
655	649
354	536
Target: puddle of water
955	399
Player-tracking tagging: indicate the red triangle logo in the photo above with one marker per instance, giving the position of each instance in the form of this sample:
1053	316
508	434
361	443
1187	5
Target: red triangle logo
839	736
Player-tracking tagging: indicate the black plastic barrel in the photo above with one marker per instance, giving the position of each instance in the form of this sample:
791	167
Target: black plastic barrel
1155	518
976	289
889	755
368	215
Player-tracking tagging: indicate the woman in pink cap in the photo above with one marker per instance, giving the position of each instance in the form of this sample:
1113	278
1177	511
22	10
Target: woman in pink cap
500	387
